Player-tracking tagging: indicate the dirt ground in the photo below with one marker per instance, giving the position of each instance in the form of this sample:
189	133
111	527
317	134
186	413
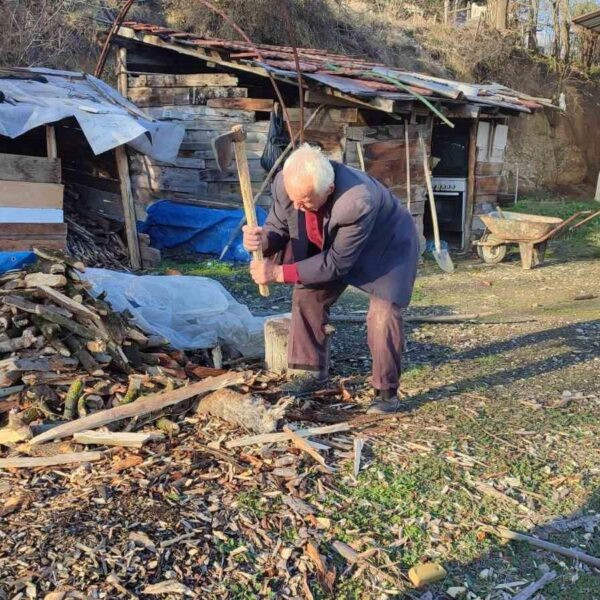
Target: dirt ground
499	427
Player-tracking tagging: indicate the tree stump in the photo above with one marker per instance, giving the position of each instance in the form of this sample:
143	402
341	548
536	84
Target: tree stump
276	343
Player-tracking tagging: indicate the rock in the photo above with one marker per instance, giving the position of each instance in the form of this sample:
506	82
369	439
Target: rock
426	573
456	592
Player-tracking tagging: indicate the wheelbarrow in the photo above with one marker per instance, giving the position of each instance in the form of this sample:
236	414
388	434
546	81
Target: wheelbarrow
530	232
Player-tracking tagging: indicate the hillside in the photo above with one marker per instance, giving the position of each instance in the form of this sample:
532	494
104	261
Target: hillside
551	150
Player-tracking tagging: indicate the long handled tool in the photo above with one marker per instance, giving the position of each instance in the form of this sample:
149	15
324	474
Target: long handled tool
268	179
222	148
442	257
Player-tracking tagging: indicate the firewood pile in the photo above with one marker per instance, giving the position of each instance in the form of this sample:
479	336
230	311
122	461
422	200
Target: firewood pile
64	353
96	242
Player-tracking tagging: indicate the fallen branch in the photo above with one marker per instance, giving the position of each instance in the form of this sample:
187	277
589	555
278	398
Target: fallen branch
536	586
270	438
415	318
507	534
142	406
49	461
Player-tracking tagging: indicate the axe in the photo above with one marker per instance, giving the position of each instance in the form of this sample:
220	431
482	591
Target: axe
225	147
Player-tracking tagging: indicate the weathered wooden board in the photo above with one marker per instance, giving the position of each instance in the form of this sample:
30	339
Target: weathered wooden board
16	167
219	127
393	172
105	184
147	96
105	203
190	80
241	102
177	179
486	168
200	113
378	133
335	115
205	149
206	135
139	161
25	236
24	194
487	185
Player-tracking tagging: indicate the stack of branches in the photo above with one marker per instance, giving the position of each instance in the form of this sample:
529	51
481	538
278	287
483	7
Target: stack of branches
96	241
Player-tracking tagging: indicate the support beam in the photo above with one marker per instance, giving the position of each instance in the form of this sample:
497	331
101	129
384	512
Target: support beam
51	148
122	70
470	208
133	244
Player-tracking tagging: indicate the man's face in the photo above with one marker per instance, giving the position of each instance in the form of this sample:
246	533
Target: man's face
302	194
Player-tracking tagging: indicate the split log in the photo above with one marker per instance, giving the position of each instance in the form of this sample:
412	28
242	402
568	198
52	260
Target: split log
45	279
84	357
66	302
22	343
142	406
121	438
49	461
303	445
58	256
11	368
270	438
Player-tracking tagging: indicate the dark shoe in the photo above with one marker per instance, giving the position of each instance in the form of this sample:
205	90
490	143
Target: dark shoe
302	382
384	407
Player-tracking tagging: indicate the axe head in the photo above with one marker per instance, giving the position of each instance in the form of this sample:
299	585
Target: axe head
222	147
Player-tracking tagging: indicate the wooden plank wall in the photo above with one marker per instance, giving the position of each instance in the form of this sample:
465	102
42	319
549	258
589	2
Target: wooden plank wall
93	180
31	203
195	178
384	152
491	143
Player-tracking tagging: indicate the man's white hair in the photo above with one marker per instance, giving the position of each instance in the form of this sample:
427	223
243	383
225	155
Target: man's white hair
310	162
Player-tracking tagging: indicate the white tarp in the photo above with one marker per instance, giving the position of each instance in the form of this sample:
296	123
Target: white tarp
107	119
190	312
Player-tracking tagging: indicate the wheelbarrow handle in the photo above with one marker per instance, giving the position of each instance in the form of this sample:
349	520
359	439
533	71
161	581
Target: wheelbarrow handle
584	221
560	227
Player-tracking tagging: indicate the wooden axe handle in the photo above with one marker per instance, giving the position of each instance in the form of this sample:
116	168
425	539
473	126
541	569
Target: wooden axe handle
248	198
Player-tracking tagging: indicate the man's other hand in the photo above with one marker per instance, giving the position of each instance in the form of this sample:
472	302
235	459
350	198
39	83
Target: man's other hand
264	272
252	238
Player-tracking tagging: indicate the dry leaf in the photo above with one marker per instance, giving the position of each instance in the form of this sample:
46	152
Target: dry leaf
132	460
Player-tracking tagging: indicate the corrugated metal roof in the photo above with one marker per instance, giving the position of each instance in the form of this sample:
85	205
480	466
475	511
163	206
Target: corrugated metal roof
349	75
590	20
30	98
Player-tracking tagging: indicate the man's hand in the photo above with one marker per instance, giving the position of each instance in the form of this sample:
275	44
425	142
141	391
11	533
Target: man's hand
265	272
252	238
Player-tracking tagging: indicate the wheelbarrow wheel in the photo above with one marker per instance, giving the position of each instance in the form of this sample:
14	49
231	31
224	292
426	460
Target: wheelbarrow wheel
491	255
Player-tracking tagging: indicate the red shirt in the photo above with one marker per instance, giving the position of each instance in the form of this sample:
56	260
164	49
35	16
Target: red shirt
314	232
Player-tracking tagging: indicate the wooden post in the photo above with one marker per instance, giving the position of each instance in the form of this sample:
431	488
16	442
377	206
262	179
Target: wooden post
51	147
446	7
597	196
122	71
128	208
277	330
470	207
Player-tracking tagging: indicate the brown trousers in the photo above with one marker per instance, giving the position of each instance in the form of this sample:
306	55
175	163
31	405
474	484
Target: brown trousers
307	342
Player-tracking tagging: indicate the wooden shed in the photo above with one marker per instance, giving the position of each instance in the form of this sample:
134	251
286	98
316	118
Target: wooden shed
370	113
64	173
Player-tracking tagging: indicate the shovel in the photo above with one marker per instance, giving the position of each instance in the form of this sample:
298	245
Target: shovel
442	257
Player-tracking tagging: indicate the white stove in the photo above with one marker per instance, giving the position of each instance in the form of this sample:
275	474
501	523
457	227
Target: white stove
449	184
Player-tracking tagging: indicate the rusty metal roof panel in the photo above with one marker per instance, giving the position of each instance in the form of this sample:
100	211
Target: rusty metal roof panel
349	75
590	20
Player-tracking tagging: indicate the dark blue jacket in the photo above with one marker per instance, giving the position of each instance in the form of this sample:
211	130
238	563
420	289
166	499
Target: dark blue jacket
370	240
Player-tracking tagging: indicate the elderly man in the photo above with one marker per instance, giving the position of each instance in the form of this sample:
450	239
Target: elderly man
340	227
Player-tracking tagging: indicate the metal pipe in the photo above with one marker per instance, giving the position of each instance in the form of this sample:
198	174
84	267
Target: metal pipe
237	28
115	26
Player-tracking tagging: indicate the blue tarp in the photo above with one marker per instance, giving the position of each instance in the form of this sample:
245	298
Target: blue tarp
196	228
15	260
